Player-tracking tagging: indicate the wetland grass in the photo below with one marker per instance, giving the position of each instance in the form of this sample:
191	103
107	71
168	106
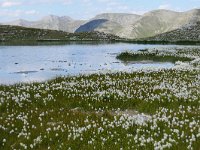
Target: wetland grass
82	112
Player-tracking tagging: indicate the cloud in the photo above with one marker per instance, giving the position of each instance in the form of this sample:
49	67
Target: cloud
31	12
138	12
64	2
9	4
9	13
16	13
165	6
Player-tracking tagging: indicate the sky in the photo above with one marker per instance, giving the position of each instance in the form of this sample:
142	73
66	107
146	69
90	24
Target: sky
85	9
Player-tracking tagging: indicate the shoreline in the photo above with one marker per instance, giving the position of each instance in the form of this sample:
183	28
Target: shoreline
89	41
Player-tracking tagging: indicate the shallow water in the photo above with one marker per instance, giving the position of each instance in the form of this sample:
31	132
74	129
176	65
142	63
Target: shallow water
40	63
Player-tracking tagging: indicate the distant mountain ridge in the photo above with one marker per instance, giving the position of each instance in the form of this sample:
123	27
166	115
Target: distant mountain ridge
147	25
51	22
130	26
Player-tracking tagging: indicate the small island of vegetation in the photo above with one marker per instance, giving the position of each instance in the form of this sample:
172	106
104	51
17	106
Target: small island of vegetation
155	56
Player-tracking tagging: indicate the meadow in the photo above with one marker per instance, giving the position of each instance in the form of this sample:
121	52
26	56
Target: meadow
144	109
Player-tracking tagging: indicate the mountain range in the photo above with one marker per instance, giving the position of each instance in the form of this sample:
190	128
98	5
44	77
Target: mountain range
130	26
50	22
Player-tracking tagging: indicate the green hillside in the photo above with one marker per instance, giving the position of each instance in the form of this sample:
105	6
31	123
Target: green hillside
17	33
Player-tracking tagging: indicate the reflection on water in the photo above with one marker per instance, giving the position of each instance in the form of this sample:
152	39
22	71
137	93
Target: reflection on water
39	63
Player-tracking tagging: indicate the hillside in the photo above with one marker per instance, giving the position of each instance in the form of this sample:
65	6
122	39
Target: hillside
121	18
16	33
112	23
187	33
161	21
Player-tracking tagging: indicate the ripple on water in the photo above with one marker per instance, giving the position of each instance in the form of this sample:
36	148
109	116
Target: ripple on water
25	72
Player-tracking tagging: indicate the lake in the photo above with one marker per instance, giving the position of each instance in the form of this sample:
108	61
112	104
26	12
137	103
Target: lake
44	62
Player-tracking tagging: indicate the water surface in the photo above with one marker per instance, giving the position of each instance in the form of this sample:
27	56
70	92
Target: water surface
40	63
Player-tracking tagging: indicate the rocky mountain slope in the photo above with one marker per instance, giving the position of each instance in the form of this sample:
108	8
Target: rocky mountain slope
161	21
112	23
187	33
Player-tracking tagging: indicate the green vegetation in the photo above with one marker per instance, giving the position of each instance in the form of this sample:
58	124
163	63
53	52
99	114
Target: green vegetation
139	110
163	42
78	112
144	55
16	35
21	34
